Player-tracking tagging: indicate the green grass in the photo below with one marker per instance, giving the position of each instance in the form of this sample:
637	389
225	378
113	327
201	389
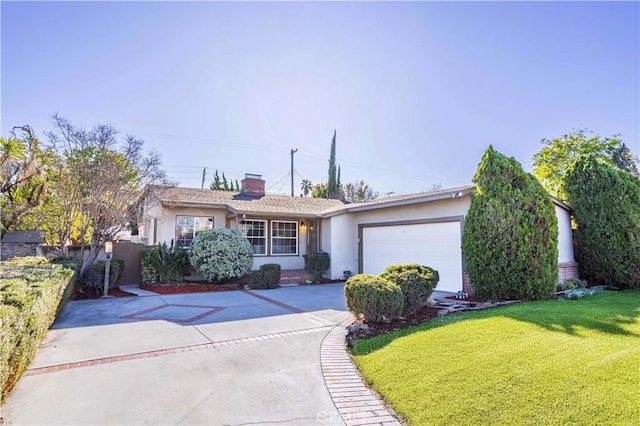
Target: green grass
539	363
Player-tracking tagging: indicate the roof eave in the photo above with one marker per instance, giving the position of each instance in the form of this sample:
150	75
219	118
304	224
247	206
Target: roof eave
176	204
399	203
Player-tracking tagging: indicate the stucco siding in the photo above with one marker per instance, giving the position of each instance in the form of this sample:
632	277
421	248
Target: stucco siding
565	239
344	246
431	210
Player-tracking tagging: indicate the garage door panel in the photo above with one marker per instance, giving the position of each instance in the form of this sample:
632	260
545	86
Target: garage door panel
433	244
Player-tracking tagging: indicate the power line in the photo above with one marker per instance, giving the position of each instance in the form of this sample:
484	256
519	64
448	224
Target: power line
279	180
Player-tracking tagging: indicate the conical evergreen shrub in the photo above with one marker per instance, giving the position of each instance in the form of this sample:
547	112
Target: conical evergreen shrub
510	239
606	205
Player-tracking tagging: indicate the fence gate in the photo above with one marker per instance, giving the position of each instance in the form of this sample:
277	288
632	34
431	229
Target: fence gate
131	254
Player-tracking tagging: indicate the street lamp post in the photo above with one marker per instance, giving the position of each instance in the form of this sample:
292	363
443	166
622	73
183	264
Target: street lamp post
108	251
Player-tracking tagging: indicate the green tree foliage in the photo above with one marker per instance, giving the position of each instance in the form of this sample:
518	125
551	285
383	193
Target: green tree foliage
223	184
333	184
551	163
23	179
510	235
359	191
217	182
306	187
320	190
606	205
623	159
103	178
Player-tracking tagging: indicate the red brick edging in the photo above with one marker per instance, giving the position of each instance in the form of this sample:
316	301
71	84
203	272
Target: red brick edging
161	352
354	401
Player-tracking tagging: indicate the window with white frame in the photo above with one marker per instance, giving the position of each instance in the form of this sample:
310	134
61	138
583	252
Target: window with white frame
188	227
284	237
256	232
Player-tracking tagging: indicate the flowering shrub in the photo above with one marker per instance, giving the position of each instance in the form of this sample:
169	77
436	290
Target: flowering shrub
221	254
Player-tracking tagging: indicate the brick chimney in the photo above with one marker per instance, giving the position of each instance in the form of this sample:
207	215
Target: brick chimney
252	185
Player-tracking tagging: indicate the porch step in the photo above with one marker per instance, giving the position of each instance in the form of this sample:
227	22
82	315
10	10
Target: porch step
293	277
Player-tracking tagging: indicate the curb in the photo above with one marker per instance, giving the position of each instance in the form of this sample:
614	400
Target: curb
354	401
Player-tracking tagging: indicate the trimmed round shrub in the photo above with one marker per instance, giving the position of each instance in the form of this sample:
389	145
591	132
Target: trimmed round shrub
510	240
220	254
316	264
373	297
416	282
267	277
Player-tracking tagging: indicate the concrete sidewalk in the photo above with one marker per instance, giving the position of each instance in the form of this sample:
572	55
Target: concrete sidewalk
209	358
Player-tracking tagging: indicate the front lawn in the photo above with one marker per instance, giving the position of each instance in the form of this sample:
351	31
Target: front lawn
574	362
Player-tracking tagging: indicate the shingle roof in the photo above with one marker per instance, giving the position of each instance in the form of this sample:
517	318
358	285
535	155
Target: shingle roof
27	237
239	203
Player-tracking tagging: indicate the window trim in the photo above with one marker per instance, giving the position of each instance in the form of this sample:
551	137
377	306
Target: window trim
265	237
272	237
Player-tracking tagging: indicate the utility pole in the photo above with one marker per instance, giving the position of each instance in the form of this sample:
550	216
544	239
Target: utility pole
204	174
293	151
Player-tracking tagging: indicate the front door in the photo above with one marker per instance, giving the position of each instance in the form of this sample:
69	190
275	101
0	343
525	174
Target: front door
312	237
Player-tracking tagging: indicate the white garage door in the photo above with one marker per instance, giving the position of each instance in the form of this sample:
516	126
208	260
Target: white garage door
432	244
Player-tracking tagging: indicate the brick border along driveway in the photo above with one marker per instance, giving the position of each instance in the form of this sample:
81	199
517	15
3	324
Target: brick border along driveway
355	402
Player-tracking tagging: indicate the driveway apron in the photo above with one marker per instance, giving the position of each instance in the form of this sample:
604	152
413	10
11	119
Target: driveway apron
233	358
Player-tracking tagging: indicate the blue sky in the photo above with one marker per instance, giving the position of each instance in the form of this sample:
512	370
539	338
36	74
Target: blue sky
416	91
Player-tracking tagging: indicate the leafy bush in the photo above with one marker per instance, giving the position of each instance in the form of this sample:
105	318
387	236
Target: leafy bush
148	269
94	276
221	254
373	297
32	291
163	263
606	206
268	276
316	265
510	240
416	282
571	284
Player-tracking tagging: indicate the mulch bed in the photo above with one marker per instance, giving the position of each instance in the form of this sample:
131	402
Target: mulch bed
181	288
84	293
427	313
375	329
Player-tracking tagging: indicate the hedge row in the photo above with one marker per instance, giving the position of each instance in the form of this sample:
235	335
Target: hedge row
32	292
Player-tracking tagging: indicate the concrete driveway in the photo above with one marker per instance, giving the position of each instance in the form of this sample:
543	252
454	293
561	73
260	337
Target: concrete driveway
241	357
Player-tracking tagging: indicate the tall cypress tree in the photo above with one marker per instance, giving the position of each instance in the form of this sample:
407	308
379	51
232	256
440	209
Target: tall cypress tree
510	240
333	191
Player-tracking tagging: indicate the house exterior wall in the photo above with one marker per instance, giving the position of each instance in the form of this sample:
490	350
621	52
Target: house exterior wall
343	245
340	236
567	265
344	258
165	223
565	238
